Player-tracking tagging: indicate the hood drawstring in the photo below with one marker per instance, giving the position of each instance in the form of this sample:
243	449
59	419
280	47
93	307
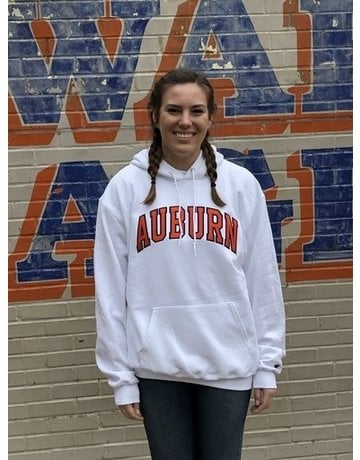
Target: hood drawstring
182	223
179	201
194	201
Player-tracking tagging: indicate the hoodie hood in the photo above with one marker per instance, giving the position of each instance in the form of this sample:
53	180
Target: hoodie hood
168	172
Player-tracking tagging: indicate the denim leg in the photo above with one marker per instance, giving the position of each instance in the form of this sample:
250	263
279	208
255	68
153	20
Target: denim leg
168	419
220	419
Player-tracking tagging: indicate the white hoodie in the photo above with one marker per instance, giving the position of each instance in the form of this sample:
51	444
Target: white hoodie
186	290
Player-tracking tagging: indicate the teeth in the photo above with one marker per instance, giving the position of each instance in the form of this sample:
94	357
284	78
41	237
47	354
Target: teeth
184	135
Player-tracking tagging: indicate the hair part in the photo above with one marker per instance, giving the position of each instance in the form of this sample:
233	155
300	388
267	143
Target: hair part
179	76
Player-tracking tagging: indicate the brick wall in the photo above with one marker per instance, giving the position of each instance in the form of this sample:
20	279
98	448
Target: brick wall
79	74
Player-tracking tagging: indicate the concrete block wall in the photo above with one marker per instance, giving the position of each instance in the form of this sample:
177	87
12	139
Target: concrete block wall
79	75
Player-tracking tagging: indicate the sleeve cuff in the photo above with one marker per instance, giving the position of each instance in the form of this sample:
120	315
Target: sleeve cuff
127	394
264	379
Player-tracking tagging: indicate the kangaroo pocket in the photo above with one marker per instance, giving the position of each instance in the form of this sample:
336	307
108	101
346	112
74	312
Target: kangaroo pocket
206	341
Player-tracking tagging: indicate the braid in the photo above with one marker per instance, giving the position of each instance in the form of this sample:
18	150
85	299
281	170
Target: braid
155	157
211	170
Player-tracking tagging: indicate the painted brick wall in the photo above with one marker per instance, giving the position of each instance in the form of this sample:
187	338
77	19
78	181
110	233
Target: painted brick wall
79	76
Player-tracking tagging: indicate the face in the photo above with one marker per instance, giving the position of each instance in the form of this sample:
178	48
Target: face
183	123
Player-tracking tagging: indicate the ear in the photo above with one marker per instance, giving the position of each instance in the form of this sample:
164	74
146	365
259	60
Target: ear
155	123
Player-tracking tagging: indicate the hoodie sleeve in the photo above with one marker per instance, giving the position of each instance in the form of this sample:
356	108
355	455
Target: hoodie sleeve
265	294
110	265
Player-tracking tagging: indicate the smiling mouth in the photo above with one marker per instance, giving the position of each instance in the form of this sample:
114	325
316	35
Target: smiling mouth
184	135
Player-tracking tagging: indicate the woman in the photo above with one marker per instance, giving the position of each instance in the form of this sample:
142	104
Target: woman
189	308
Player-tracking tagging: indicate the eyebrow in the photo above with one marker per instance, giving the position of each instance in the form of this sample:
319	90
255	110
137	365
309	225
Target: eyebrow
180	106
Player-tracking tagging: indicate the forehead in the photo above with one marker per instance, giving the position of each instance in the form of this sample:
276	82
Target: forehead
185	94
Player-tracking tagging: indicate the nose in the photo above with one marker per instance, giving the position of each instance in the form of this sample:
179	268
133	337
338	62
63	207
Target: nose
185	119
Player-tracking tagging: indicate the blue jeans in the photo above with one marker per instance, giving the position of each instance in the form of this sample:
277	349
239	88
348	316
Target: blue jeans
184	421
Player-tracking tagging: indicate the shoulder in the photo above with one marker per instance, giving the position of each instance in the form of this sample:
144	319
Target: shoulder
232	169
133	171
239	187
238	175
130	179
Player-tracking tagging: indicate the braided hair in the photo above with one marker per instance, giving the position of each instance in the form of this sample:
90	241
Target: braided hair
177	77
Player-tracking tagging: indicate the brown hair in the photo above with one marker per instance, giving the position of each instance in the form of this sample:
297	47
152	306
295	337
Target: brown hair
177	77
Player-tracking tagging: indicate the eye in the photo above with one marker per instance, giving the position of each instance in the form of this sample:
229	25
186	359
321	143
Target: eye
198	111
173	110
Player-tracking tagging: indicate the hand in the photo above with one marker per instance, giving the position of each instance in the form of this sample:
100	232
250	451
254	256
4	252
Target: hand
262	399
131	411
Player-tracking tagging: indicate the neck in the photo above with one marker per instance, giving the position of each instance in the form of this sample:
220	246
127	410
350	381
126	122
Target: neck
182	164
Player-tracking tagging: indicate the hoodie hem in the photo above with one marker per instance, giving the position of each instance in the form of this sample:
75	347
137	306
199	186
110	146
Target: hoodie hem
226	384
